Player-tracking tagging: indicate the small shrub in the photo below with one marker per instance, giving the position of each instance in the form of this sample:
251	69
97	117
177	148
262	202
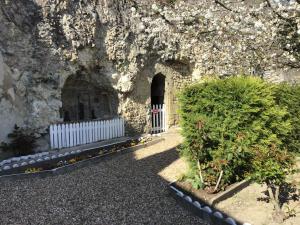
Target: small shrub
224	122
72	161
289	96
22	142
271	167
33	170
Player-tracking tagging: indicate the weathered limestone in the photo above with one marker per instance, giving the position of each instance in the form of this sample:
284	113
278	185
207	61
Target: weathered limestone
11	110
118	45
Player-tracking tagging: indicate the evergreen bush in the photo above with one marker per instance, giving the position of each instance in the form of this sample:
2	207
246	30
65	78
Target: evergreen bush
289	96
22	142
225	124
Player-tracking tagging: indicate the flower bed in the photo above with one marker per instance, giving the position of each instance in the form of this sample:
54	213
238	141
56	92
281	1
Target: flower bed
211	198
198	203
47	162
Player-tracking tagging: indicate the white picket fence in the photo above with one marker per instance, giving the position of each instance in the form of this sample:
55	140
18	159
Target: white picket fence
72	134
158	115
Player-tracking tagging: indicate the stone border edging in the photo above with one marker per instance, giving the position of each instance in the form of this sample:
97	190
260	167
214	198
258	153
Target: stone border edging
80	164
13	165
202	210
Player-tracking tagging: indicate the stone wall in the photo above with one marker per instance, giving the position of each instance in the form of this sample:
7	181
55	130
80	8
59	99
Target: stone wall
175	81
120	44
11	110
284	75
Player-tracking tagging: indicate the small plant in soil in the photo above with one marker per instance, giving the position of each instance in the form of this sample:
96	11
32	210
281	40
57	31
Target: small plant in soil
22	142
101	152
33	170
72	161
291	211
272	166
61	163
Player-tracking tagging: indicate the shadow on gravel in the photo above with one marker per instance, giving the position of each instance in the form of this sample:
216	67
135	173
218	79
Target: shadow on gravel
117	190
159	161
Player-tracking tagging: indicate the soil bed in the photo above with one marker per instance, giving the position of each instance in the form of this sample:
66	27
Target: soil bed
77	157
252	203
198	202
248	204
202	195
210	198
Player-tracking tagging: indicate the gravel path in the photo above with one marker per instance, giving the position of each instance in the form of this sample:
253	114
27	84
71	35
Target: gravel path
128	189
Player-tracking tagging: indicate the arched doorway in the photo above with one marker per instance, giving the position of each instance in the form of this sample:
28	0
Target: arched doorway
158	112
158	89
84	100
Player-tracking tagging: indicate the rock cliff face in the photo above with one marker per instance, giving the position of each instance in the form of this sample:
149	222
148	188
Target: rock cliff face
118	46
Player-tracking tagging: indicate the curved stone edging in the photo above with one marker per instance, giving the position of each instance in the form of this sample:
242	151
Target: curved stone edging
207	213
70	167
16	162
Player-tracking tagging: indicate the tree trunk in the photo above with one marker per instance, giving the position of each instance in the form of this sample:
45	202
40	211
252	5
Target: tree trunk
200	173
218	182
278	214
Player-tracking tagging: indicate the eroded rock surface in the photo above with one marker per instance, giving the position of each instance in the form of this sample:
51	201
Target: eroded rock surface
119	45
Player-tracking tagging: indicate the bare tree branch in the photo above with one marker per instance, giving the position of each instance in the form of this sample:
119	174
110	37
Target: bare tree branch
223	5
278	14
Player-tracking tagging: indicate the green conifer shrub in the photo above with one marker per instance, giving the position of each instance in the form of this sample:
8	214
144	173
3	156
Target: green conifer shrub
225	122
22	142
289	96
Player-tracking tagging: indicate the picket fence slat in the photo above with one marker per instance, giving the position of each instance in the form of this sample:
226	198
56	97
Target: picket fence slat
74	134
77	131
59	136
83	133
104	130
108	129
97	131
118	127
115	130
112	129
90	132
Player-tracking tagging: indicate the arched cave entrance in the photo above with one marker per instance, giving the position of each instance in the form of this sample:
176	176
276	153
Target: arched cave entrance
158	89
83	99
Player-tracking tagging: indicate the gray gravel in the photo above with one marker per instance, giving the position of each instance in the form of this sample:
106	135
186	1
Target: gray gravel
116	191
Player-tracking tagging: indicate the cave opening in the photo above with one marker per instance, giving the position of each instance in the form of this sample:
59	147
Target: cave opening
83	100
158	113
158	90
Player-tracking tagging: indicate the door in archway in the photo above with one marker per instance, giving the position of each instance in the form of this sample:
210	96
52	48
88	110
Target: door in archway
158	111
